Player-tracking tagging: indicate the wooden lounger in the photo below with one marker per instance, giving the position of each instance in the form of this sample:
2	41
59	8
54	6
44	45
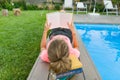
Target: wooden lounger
39	70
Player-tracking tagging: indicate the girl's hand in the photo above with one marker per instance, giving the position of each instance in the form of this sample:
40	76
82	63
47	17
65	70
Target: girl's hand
70	25
47	27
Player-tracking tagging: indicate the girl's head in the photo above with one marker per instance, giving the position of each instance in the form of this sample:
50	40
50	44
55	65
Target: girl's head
58	53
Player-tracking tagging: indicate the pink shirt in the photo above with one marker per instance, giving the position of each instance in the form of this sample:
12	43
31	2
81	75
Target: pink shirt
74	51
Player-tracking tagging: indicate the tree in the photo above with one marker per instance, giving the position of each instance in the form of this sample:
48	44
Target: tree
6	4
117	2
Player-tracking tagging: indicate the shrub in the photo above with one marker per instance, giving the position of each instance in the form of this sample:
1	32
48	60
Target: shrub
32	7
0	8
6	5
57	6
21	4
99	7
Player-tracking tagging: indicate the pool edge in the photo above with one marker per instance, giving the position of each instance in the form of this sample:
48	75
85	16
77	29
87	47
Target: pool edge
89	68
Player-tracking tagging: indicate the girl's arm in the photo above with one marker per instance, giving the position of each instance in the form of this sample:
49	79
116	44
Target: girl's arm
75	41
44	37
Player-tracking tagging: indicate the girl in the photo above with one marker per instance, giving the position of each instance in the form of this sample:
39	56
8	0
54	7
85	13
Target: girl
61	44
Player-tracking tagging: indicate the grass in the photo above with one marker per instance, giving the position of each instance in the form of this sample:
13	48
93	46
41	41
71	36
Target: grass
19	43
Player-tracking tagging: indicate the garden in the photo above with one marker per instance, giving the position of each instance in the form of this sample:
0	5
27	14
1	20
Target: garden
20	37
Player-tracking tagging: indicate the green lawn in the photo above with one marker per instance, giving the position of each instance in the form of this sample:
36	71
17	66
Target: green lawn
19	43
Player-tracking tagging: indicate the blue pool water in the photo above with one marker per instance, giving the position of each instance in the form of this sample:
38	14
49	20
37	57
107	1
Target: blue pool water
102	42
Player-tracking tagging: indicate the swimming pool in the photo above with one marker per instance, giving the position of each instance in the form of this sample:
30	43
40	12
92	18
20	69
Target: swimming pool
102	42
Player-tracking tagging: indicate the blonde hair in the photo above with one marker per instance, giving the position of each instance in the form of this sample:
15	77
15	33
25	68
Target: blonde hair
58	53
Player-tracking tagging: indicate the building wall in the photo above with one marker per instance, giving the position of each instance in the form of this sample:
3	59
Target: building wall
99	1
40	1
57	1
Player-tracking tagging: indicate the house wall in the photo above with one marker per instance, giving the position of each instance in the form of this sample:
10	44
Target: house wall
99	1
56	1
41	1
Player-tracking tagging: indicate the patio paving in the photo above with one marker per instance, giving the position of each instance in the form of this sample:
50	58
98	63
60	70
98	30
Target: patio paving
102	19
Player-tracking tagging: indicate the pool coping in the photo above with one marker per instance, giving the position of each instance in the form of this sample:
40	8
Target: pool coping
101	19
90	71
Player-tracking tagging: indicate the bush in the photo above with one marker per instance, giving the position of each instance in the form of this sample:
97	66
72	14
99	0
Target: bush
6	5
32	7
99	7
57	6
0	8
21	4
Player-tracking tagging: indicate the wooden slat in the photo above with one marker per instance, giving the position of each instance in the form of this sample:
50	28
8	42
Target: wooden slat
39	70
